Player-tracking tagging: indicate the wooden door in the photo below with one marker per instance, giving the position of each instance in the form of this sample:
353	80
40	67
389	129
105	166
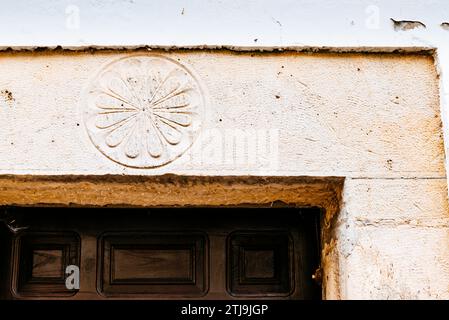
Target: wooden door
195	253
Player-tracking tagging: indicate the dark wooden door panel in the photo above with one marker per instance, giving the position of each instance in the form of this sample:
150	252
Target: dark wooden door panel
260	264
39	260
153	263
195	253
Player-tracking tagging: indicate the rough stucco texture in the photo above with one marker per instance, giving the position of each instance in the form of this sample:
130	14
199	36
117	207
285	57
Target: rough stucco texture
371	118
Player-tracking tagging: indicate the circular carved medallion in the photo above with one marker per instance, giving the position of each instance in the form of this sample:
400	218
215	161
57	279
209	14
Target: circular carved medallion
143	111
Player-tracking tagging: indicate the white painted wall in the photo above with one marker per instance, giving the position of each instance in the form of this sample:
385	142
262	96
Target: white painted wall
236	23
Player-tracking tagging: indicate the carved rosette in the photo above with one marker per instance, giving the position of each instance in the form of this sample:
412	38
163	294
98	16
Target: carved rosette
143	111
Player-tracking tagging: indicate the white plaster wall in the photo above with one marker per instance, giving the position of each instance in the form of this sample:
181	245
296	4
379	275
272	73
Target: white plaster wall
235	23
394	248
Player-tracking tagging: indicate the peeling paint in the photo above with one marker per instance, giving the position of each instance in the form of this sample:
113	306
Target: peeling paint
305	49
405	25
445	25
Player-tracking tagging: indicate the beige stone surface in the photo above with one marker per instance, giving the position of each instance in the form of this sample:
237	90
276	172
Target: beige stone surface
354	115
358	135
391	241
170	191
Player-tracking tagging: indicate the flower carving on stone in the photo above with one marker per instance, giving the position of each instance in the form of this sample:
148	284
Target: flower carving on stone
144	111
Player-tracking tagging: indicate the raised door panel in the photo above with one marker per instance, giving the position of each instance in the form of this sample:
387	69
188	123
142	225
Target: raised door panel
39	263
153	263
260	263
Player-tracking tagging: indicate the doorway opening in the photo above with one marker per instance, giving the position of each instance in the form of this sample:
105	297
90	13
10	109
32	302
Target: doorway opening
162	253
